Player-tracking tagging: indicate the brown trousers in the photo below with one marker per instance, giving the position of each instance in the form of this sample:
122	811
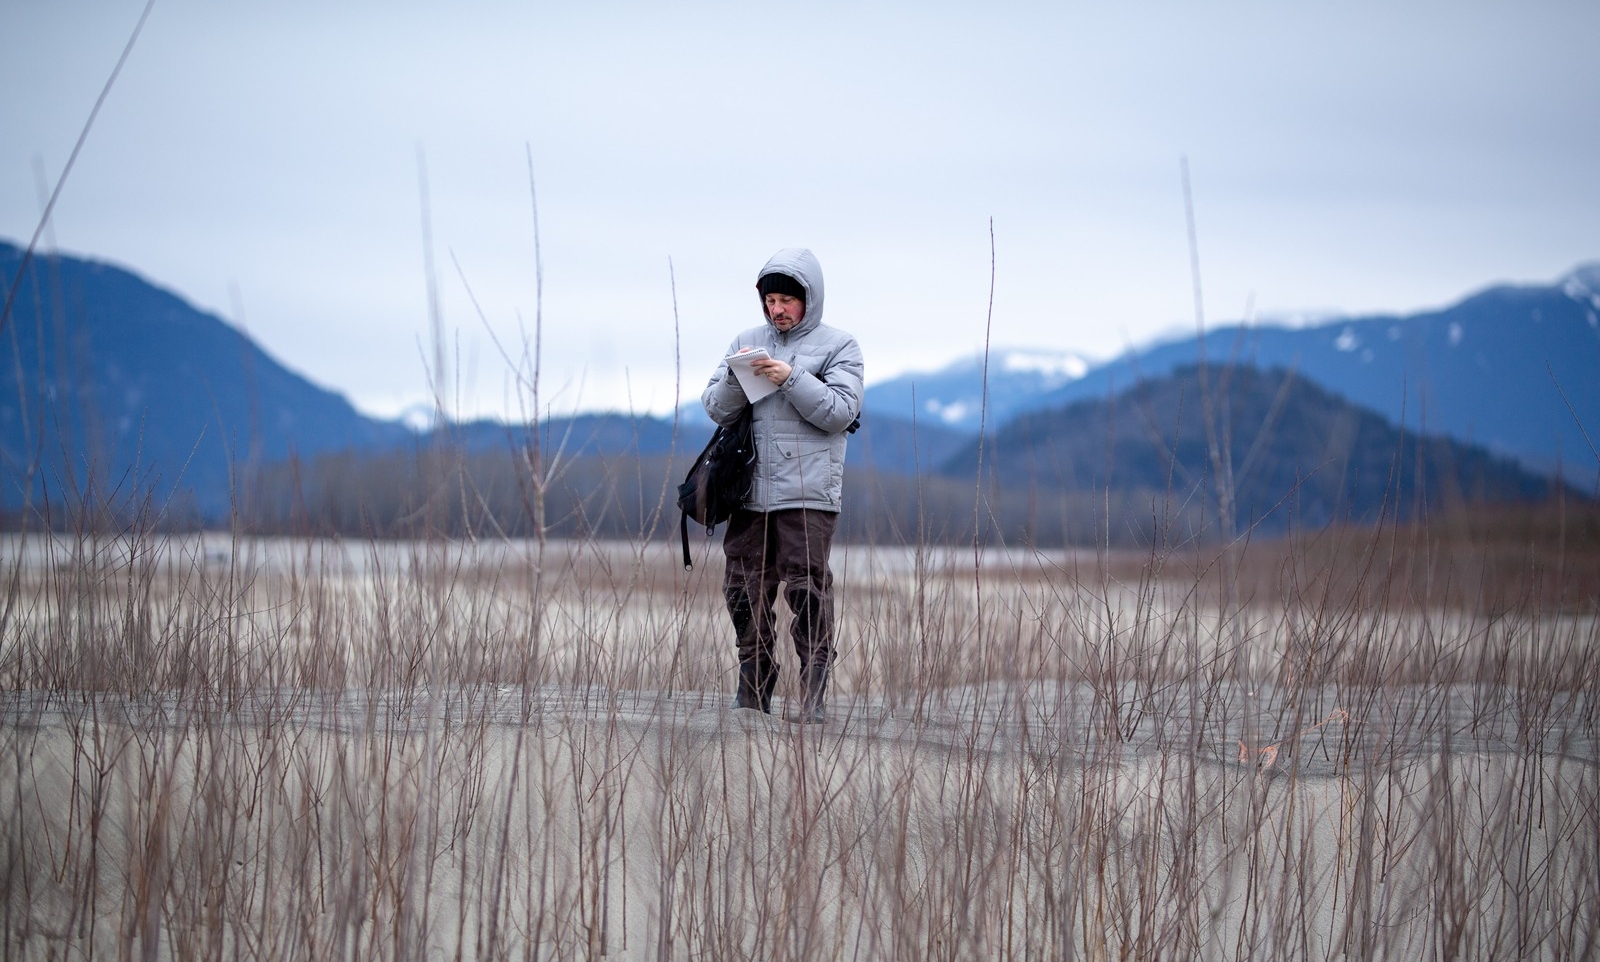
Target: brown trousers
762	550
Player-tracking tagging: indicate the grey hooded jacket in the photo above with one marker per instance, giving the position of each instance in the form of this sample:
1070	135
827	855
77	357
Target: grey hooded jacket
800	429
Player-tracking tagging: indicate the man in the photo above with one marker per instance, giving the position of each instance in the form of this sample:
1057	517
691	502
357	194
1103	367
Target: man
784	531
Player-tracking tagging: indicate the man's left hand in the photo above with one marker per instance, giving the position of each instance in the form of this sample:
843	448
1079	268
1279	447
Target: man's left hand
772	369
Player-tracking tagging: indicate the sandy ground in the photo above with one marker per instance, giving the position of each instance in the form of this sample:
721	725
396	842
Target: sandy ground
992	823
1437	796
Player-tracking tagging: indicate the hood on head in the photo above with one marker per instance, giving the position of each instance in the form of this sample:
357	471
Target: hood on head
800	264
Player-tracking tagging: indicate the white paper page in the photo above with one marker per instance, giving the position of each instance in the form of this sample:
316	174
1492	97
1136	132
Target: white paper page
755	386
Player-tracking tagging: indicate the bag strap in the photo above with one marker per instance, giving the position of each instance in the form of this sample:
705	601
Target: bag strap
683	536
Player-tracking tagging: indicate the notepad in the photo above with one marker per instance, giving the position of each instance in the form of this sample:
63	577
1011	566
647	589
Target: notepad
755	386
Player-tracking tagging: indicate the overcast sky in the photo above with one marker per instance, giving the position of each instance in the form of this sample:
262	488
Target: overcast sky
265	160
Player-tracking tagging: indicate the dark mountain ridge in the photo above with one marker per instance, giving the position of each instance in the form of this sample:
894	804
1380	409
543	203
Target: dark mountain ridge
1279	451
114	384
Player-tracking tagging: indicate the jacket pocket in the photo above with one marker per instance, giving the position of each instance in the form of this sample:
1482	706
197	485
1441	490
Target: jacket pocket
807	471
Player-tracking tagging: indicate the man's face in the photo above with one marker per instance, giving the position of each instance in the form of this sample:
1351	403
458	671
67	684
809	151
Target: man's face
785	311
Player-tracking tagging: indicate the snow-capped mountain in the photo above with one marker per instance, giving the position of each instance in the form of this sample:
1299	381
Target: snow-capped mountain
1515	368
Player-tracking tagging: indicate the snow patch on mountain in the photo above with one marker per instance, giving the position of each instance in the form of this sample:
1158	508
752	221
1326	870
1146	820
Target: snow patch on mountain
1583	282
420	418
1055	368
953	413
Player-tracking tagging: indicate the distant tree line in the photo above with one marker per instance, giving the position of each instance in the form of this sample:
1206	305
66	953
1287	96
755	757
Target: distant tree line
443	492
1169	462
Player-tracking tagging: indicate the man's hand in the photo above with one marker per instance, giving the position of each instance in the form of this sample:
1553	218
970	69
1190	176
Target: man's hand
772	369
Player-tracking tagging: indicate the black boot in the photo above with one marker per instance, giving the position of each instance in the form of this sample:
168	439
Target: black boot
756	681
752	630
813	642
814	684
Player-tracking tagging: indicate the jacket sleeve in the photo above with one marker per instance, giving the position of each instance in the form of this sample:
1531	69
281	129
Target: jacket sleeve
723	398
831	399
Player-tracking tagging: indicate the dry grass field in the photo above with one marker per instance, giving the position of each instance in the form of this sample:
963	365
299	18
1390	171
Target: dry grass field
1370	745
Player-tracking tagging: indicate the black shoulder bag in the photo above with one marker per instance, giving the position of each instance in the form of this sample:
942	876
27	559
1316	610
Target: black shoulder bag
719	480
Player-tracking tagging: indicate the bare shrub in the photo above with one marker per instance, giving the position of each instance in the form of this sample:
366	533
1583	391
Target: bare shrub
236	748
